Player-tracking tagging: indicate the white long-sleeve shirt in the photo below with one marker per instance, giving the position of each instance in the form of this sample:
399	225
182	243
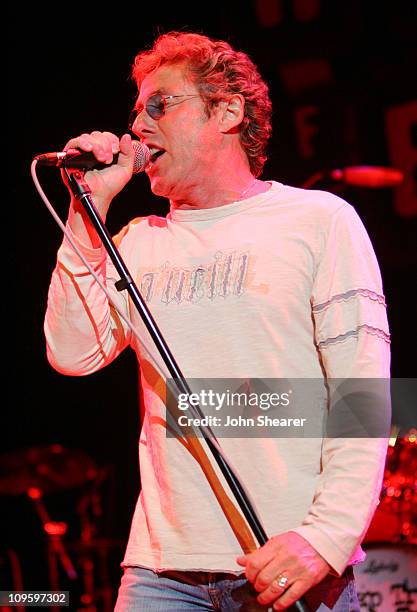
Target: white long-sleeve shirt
283	285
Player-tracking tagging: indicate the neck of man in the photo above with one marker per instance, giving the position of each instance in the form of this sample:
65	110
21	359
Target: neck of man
225	181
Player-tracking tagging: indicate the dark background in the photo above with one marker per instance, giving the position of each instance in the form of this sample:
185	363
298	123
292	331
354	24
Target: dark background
69	72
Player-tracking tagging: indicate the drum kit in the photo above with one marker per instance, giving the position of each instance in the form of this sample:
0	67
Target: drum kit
78	564
387	579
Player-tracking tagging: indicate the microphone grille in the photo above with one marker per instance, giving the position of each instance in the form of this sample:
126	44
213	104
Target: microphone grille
142	156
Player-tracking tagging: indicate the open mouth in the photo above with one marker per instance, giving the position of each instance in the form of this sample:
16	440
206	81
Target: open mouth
156	154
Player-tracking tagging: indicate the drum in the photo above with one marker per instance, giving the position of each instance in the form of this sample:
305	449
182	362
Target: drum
395	519
387	580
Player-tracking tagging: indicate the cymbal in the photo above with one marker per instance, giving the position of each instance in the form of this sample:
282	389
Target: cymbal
48	468
395	519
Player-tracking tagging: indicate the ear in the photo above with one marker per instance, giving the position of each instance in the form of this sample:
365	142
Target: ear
231	113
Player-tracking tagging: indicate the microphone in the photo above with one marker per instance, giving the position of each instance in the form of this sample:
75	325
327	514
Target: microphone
83	160
368	176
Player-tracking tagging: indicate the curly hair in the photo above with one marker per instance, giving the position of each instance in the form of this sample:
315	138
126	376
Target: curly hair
217	70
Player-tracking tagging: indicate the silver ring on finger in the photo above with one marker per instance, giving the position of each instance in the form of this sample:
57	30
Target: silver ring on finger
279	583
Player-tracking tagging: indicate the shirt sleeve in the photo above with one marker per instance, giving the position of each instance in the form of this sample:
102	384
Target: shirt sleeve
82	328
352	337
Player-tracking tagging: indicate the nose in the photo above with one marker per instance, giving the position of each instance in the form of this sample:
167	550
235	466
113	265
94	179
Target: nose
143	125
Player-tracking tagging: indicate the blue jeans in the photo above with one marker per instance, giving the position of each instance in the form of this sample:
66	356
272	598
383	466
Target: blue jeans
143	590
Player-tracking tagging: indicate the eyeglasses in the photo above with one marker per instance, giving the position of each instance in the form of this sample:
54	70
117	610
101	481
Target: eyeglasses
156	106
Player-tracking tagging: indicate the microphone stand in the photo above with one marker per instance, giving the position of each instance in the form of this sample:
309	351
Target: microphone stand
82	193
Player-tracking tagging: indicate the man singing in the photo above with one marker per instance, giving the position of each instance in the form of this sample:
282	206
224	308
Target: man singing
246	278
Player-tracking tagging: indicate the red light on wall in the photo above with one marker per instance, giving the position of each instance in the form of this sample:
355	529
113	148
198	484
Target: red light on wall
55	528
34	493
